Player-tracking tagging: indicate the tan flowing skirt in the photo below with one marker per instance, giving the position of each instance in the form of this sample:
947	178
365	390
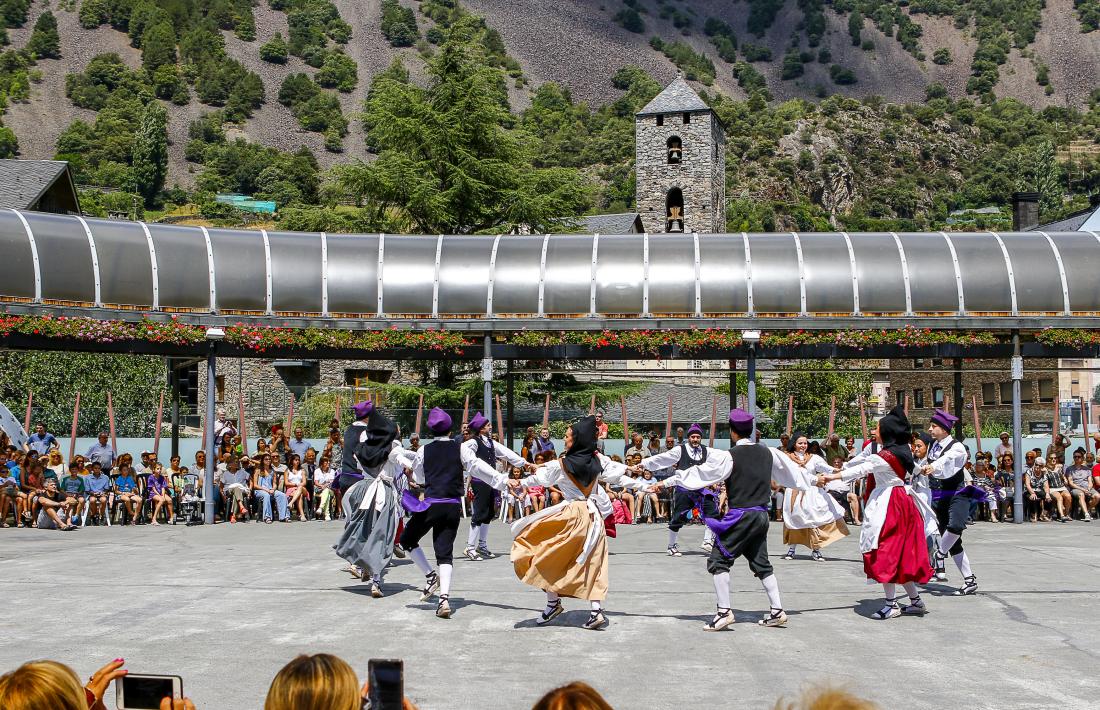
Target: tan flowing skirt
816	538
545	554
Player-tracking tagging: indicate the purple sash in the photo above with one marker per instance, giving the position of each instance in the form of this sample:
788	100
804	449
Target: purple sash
733	516
414	505
972	492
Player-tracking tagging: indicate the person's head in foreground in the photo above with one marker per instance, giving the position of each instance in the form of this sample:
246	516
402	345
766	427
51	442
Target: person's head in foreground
318	682
826	699
575	696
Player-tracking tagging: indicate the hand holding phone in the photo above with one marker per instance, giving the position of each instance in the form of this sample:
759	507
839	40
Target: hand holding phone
387	683
146	692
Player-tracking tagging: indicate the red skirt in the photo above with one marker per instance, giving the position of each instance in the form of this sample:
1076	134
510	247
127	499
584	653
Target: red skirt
902	554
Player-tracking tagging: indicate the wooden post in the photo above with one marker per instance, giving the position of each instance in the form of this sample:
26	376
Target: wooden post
668	420
72	436
905	408
466	412
977	423
592	406
336	409
790	414
111	423
862	420
160	420
713	418
500	422
546	411
288	430
27	419
1085	420
626	427
419	415
242	426
832	419
1057	425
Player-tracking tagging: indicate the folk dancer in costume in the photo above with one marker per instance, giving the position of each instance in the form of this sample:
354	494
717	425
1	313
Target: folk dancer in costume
482	447
922	443
811	517
370	505
562	549
951	499
747	470
895	519
683	456
438	466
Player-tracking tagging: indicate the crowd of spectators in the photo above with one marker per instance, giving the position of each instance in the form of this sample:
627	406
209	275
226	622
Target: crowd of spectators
286	478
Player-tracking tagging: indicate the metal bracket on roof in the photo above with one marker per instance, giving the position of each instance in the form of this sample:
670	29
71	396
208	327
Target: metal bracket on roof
34	256
958	272
542	276
267	274
592	276
1011	274
95	260
1061	273
435	279
152	266
645	275
855	279
492	277
748	271
324	274
381	266
904	274
210	270
698	275
801	275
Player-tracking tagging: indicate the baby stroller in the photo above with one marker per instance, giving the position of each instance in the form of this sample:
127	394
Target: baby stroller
189	506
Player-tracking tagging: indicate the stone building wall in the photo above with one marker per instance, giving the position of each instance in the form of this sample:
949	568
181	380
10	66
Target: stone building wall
700	175
1037	390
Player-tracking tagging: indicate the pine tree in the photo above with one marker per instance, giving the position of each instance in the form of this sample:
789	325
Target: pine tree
150	152
855	27
158	46
45	43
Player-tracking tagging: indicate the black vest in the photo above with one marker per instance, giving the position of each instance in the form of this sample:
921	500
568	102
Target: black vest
750	482
348	462
947	484
486	453
443	469
686	461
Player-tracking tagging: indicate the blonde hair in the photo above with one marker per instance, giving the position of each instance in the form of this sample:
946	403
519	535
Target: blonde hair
575	696
318	682
827	699
42	685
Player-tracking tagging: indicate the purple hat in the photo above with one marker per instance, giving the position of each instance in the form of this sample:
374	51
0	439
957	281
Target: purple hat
741	421
478	422
944	420
363	409
439	421
695	429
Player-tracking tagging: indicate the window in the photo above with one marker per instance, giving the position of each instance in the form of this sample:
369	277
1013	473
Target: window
219	388
918	363
901	397
1006	392
353	376
937	396
716	155
937	362
687	118
675	150
1046	390
918	398
989	394
660	120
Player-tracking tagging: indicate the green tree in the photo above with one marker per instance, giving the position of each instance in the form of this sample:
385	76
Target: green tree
448	157
398	24
855	27
45	42
150	156
158	46
9	144
813	385
1047	178
275	50
338	72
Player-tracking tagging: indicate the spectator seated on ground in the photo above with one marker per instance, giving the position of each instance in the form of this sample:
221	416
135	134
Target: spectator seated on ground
55	509
126	493
73	488
158	492
98	490
1079	484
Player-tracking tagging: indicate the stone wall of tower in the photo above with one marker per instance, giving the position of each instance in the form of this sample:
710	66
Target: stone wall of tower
700	175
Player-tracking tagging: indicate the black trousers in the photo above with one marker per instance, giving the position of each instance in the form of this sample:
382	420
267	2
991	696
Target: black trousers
682	504
442	520
484	503
951	516
748	539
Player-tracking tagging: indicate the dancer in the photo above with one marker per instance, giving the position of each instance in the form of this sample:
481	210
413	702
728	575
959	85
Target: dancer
681	457
438	466
370	505
747	470
481	446
895	519
562	549
951	498
811	517
922	442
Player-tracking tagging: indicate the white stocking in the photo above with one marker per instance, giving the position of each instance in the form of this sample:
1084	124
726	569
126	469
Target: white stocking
963	563
483	535
771	586
947	540
889	589
672	535
708	535
596	605
551	600
417	555
471	539
722	589
445	579
912	591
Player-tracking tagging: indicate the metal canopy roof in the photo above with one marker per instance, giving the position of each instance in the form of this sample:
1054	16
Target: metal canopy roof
113	268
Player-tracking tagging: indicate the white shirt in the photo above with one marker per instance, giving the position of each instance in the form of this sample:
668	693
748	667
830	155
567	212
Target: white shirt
471	464
501	451
946	460
670	458
323	478
719	465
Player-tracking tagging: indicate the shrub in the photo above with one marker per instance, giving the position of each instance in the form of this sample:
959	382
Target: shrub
275	50
629	18
841	75
399	24
339	71
756	53
45	42
792	66
941	56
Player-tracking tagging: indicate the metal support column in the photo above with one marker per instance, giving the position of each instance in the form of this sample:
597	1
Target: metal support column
211	465
1017	430
750	372
510	414
733	383
957	404
487	377
174	385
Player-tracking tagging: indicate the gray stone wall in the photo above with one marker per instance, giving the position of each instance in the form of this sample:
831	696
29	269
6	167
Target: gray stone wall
700	175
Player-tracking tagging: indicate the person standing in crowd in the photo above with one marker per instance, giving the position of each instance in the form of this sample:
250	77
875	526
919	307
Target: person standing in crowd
414	442
223	428
1003	447
1057	448
679	437
334	447
482	446
41	441
102	452
527	446
946	468
834	450
298	445
543	444
601	431
892	538
810	516
279	444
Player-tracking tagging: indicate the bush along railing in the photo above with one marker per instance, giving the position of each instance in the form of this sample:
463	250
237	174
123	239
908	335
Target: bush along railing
103	331
1069	338
261	338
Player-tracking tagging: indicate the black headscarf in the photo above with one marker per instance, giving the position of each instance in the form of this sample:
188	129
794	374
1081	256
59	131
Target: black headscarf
580	459
897	435
381	431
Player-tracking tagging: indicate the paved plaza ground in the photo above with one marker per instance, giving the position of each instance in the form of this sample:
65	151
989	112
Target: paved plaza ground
226	606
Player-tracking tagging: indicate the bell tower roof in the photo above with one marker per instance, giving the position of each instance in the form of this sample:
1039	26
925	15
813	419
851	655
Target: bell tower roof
677	97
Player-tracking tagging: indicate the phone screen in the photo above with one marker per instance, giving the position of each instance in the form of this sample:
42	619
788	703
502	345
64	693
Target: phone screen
146	692
386	683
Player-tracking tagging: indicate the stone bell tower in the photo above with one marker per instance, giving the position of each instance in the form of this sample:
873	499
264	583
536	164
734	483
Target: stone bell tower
680	163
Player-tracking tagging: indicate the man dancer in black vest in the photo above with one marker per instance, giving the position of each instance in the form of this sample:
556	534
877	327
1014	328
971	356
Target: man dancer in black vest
685	455
945	468
748	470
482	447
438	466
